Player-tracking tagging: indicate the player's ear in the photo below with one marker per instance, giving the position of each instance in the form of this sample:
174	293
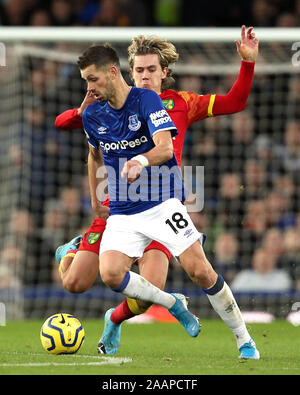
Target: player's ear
164	72
113	71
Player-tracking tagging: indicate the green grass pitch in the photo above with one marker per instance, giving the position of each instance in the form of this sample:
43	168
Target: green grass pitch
153	349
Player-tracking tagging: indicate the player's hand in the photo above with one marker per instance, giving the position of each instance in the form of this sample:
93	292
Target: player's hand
100	210
132	170
88	99
247	48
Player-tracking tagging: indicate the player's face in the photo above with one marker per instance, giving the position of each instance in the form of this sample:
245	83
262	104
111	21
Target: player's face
147	72
98	83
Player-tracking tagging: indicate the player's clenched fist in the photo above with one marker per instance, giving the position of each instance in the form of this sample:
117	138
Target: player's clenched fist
132	170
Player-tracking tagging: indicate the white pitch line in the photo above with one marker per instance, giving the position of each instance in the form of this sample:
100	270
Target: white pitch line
105	361
56	356
35	354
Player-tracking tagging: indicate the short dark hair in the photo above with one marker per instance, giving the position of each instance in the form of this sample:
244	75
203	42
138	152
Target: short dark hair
99	55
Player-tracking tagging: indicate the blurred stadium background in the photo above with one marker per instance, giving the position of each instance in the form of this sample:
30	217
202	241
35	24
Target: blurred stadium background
251	160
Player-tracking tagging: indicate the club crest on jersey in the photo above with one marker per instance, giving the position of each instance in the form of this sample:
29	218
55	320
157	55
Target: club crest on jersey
93	237
168	104
133	123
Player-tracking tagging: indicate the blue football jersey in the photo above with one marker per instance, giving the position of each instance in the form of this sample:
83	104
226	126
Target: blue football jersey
124	133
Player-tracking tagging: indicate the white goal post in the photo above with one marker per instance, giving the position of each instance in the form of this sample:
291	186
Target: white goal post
290	37
190	35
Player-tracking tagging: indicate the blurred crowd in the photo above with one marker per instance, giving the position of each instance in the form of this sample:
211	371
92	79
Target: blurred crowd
259	13
251	160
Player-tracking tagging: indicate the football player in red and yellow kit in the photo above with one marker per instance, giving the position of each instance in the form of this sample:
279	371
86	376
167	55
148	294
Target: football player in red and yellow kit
149	60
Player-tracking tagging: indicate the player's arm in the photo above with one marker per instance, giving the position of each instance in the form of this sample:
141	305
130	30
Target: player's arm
68	120
72	119
95	161
163	150
200	107
161	153
236	98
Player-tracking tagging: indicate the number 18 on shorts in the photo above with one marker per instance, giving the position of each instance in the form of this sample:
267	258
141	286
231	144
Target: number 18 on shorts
168	223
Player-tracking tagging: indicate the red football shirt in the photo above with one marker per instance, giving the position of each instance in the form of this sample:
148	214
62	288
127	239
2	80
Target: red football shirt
186	108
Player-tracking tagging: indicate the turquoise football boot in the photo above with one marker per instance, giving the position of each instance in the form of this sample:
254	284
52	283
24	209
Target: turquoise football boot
187	319
63	249
249	350
110	340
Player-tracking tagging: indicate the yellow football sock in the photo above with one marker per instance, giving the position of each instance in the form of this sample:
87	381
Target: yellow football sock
71	254
135	308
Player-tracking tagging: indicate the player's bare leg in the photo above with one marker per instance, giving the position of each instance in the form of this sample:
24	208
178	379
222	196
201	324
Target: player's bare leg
64	264
78	269
113	266
153	266
79	273
220	296
115	272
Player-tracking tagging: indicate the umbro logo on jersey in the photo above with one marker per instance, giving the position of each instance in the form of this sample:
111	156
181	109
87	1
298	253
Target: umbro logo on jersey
102	130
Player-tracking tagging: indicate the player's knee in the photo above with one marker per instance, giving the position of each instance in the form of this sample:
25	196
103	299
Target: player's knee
204	278
202	273
111	278
75	285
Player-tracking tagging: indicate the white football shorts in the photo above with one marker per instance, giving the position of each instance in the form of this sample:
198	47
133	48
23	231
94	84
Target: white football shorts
168	223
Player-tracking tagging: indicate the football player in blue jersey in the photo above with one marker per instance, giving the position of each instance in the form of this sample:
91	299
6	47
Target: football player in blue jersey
132	130
134	121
